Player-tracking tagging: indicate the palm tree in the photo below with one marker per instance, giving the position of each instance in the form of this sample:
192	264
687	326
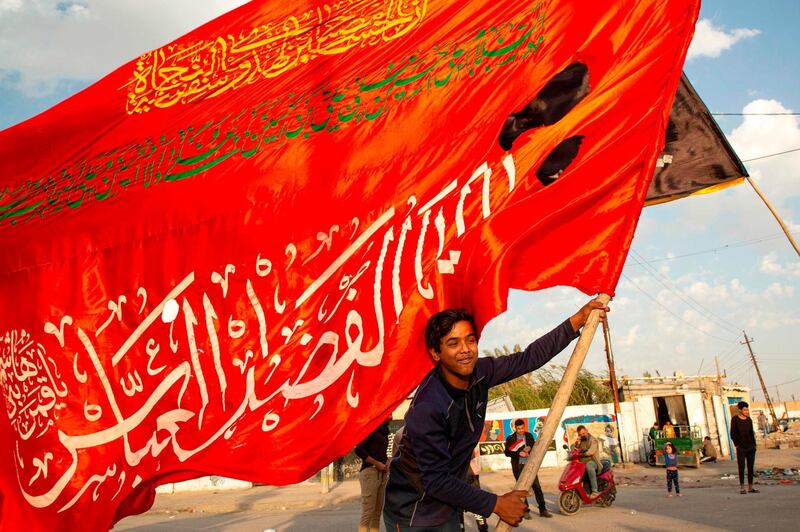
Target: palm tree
537	389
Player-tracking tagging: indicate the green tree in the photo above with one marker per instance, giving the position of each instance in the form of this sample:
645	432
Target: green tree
537	389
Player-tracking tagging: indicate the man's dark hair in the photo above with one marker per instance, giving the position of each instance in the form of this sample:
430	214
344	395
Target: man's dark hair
518	422
580	428
707	438
743	404
442	323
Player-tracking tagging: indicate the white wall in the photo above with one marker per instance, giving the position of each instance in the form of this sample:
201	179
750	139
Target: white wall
555	458
633	449
696	411
204	483
722	426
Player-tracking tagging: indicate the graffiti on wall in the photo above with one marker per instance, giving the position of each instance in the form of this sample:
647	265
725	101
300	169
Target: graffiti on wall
495	432
603	427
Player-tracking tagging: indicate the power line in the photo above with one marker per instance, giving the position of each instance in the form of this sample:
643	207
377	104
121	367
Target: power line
692	302
787	382
742	375
739	365
730	351
755	114
716	249
771	155
739	376
657	302
731	358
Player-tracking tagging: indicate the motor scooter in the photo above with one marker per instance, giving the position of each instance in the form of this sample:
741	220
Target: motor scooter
574	485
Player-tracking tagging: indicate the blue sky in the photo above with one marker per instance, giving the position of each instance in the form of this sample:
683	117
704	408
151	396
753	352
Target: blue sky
701	269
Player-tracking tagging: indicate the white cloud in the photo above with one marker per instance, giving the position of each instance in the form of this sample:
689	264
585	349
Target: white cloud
779	290
738	214
711	41
101	35
629	338
74	9
763	132
701	291
771	266
10	5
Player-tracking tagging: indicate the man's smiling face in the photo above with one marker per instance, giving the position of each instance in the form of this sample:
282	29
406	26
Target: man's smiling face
458	353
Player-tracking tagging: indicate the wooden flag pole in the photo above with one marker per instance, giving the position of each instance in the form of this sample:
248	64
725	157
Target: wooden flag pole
559	404
774	213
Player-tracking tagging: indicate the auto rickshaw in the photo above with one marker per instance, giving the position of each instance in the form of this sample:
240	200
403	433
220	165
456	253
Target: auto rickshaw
688	443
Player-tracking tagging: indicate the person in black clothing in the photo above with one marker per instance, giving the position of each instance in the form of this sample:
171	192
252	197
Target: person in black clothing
474	479
518	446
426	489
744	438
374	467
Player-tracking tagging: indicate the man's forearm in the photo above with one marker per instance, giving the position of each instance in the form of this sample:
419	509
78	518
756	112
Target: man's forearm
536	355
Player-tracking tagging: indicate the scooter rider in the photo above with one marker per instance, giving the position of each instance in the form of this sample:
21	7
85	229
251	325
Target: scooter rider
590	455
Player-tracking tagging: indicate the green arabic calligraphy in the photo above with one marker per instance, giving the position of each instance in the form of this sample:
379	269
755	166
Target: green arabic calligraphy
194	150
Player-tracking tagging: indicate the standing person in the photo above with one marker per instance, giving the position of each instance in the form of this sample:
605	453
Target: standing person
590	455
395	447
426	489
709	451
763	424
669	430
474	480
518	448
744	439
374	469
653	431
671	463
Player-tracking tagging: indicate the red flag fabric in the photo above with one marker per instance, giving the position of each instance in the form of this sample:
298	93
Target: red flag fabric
219	259
517	445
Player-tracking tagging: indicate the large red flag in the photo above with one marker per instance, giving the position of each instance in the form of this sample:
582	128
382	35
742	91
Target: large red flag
234	241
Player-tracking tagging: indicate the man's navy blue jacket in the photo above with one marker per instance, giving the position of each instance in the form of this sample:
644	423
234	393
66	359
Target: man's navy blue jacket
442	427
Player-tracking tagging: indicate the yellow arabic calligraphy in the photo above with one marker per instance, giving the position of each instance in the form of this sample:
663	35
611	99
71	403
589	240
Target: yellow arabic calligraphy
178	74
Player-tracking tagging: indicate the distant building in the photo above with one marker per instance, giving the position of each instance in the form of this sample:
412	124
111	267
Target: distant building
700	401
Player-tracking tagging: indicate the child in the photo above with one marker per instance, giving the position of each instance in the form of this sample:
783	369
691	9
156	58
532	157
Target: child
671	463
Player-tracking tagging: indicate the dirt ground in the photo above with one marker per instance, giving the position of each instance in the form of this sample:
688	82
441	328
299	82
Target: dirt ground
711	501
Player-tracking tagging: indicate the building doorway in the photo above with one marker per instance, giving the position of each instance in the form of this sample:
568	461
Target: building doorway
671	408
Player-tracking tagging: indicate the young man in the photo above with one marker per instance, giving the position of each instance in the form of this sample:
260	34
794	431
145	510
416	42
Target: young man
372	477
744	438
518	447
426	488
590	451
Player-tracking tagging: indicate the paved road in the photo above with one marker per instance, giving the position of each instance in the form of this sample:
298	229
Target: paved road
775	509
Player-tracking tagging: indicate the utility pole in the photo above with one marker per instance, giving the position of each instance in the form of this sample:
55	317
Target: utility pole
611	371
761	380
725	412
612	381
778	393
